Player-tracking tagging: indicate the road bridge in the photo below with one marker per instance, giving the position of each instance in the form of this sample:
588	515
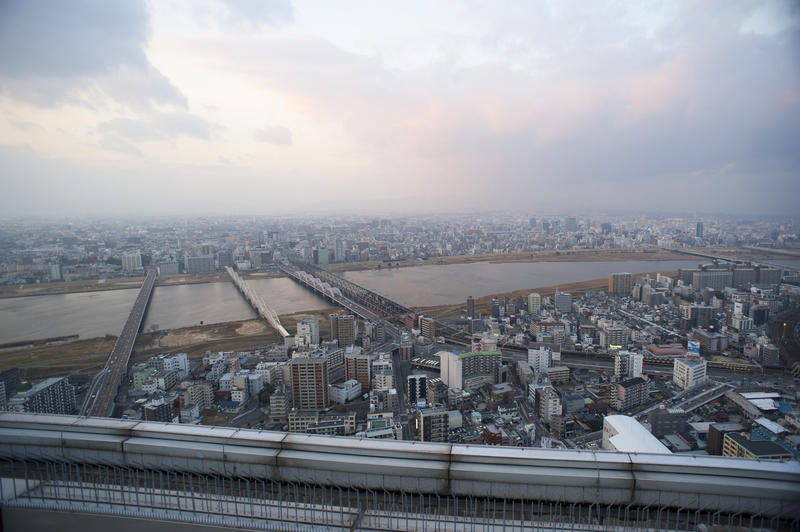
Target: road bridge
221	476
258	304
105	385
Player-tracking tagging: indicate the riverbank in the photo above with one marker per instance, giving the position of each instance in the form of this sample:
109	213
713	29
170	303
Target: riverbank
577	289
576	255
120	283
89	356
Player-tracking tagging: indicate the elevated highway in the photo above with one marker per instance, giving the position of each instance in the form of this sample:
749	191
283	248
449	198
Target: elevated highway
105	385
219	476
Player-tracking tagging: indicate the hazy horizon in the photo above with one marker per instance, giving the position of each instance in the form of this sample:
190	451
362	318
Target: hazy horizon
277	108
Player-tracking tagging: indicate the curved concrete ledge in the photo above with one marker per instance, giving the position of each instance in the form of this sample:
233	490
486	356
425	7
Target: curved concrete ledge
688	482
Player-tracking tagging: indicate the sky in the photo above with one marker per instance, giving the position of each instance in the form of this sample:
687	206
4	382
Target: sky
271	107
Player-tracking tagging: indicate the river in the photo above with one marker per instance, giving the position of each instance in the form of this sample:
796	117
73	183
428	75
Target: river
93	314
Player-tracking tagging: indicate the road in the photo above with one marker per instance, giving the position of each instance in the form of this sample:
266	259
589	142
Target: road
103	390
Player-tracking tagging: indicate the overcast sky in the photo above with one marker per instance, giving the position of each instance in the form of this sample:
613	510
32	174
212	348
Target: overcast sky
258	107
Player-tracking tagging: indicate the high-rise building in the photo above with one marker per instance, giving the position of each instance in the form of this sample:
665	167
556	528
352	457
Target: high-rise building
468	370
620	284
358	366
432	424
157	410
470	307
406	346
563	301
51	396
308	328
495	308
339	250
427	327
628	365
614	335
534	303
197	265
343	329
549	402
417	389
532	221
689	372
716	279
699	230
629	394
572	224
132	262
309	382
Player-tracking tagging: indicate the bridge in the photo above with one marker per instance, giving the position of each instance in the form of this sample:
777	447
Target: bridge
370	305
335	295
261	308
60	473
105	385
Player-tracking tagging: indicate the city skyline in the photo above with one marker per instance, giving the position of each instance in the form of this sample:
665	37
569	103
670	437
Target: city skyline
274	108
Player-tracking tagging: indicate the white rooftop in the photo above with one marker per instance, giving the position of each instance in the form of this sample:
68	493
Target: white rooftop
632	437
760	395
770	425
764	404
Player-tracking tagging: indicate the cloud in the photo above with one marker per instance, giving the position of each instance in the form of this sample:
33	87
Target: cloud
58	53
278	135
256	13
157	126
116	144
24	125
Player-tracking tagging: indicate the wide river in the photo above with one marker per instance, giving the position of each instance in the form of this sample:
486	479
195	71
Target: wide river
93	314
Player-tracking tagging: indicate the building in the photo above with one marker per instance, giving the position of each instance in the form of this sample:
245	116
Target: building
308	329
628	364
614	335
716	435
432	424
358	366
534	303
309	382
620	284
177	362
563	301
199	265
201	395
406	347
541	358
625	434
689	372
132	262
157	410
417	389
665	421
279	406
343	329
735	444
557	374
344	392
629	394
427	327
470	307
699	230
713	279
549	402
51	396
471	369
10	379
